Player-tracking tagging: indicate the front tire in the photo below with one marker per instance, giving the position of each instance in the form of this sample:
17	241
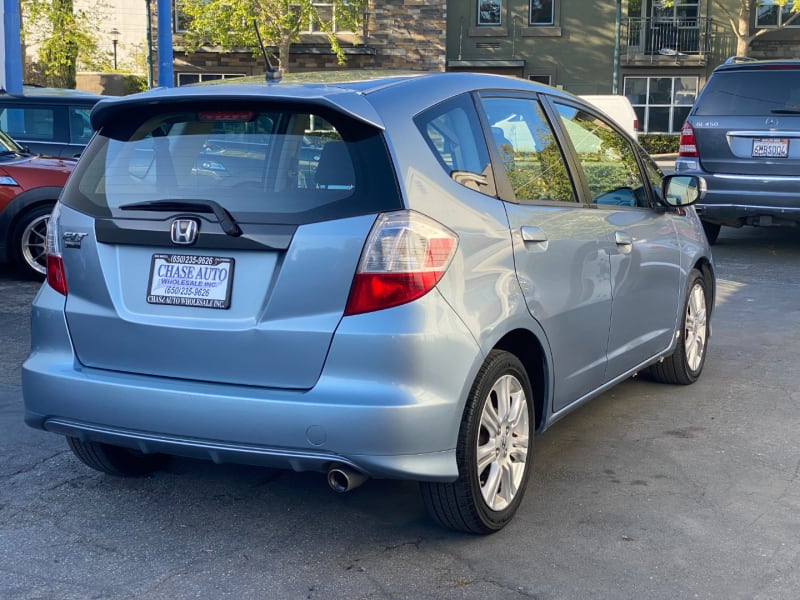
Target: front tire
494	451
686	363
115	460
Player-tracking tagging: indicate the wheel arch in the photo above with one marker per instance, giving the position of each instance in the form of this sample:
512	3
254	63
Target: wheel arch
707	270
10	216
528	348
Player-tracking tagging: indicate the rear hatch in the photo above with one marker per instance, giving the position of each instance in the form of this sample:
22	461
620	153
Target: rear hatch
747	122
221	238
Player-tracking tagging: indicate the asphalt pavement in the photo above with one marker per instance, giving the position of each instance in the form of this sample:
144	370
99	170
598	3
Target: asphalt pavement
648	492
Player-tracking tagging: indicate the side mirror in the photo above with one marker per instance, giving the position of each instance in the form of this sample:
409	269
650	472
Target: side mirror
682	190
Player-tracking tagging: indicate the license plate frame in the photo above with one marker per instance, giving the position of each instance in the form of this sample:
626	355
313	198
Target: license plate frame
190	280
770	148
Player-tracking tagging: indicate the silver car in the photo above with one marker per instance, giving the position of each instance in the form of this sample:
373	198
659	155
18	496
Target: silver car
399	278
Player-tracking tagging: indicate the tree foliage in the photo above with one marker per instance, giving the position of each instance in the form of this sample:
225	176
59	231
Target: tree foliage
62	35
233	23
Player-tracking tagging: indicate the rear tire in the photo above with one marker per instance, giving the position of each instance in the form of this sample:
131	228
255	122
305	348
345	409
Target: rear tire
28	249
115	460
712	231
494	451
686	362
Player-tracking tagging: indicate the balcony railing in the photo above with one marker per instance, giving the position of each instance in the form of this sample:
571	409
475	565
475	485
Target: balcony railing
659	40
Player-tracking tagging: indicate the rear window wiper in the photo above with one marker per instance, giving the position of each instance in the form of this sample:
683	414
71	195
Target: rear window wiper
785	111
225	218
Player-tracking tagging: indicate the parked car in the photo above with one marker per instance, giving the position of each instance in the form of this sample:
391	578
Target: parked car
466	259
29	187
618	108
743	136
48	121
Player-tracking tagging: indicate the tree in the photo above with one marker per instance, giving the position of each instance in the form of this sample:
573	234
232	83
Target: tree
742	22
239	23
62	36
743	19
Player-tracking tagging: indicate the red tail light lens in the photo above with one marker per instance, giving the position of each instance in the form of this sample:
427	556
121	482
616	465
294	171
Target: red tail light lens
56	276
686	145
405	256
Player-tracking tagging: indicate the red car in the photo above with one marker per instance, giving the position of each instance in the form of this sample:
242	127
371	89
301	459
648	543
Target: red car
29	187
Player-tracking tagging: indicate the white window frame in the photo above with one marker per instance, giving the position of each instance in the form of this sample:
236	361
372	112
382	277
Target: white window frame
537	4
493	5
205	76
644	119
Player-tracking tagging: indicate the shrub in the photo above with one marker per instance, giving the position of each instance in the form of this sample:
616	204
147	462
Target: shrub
659	143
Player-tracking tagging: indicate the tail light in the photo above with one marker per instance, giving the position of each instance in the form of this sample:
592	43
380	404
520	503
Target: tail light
405	256
56	277
686	145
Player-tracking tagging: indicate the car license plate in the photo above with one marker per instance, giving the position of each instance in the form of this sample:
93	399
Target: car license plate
771	148
187	280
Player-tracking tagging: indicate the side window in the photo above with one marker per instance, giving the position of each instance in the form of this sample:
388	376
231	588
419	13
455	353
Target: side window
30	123
528	149
80	129
608	159
654	174
453	133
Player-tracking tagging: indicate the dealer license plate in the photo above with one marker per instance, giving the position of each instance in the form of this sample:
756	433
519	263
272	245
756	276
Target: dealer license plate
186	280
771	148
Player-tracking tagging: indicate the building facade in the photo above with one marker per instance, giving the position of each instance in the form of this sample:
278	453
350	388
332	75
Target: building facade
656	53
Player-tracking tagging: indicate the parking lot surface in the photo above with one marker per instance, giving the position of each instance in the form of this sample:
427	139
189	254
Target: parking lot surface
649	491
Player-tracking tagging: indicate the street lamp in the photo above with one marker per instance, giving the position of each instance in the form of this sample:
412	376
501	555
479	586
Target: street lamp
114	39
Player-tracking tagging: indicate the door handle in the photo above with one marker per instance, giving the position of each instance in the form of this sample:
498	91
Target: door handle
623	241
532	234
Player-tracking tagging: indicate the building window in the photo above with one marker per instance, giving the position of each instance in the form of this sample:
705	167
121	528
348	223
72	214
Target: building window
489	12
770	14
661	103
325	14
180	20
545	79
187	78
541	12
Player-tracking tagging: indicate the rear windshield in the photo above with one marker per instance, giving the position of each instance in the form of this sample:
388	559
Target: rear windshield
748	93
279	165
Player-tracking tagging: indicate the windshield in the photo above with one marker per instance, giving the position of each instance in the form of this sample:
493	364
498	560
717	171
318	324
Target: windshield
751	93
9	146
287	166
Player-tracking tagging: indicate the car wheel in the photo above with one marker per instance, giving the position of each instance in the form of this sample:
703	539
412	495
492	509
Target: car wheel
115	460
685	364
712	231
494	451
28	250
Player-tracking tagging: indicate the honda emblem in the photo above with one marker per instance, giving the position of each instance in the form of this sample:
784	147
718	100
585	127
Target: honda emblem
184	231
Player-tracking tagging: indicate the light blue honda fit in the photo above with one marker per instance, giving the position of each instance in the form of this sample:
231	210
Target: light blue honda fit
398	278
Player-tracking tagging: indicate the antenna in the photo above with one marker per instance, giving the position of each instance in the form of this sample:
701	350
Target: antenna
272	74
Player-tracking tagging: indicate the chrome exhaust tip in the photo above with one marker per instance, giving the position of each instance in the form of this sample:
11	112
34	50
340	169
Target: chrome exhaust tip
343	479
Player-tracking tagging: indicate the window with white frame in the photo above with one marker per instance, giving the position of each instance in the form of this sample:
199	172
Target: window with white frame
490	12
770	13
325	13
187	78
661	103
541	12
180	20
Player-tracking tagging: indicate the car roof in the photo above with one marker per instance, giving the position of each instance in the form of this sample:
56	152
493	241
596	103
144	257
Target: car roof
351	97
35	93
736	63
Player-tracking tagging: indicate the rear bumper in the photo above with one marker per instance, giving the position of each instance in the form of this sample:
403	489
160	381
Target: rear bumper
745	199
386	409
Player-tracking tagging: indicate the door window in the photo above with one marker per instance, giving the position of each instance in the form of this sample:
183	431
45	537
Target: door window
528	149
608	159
